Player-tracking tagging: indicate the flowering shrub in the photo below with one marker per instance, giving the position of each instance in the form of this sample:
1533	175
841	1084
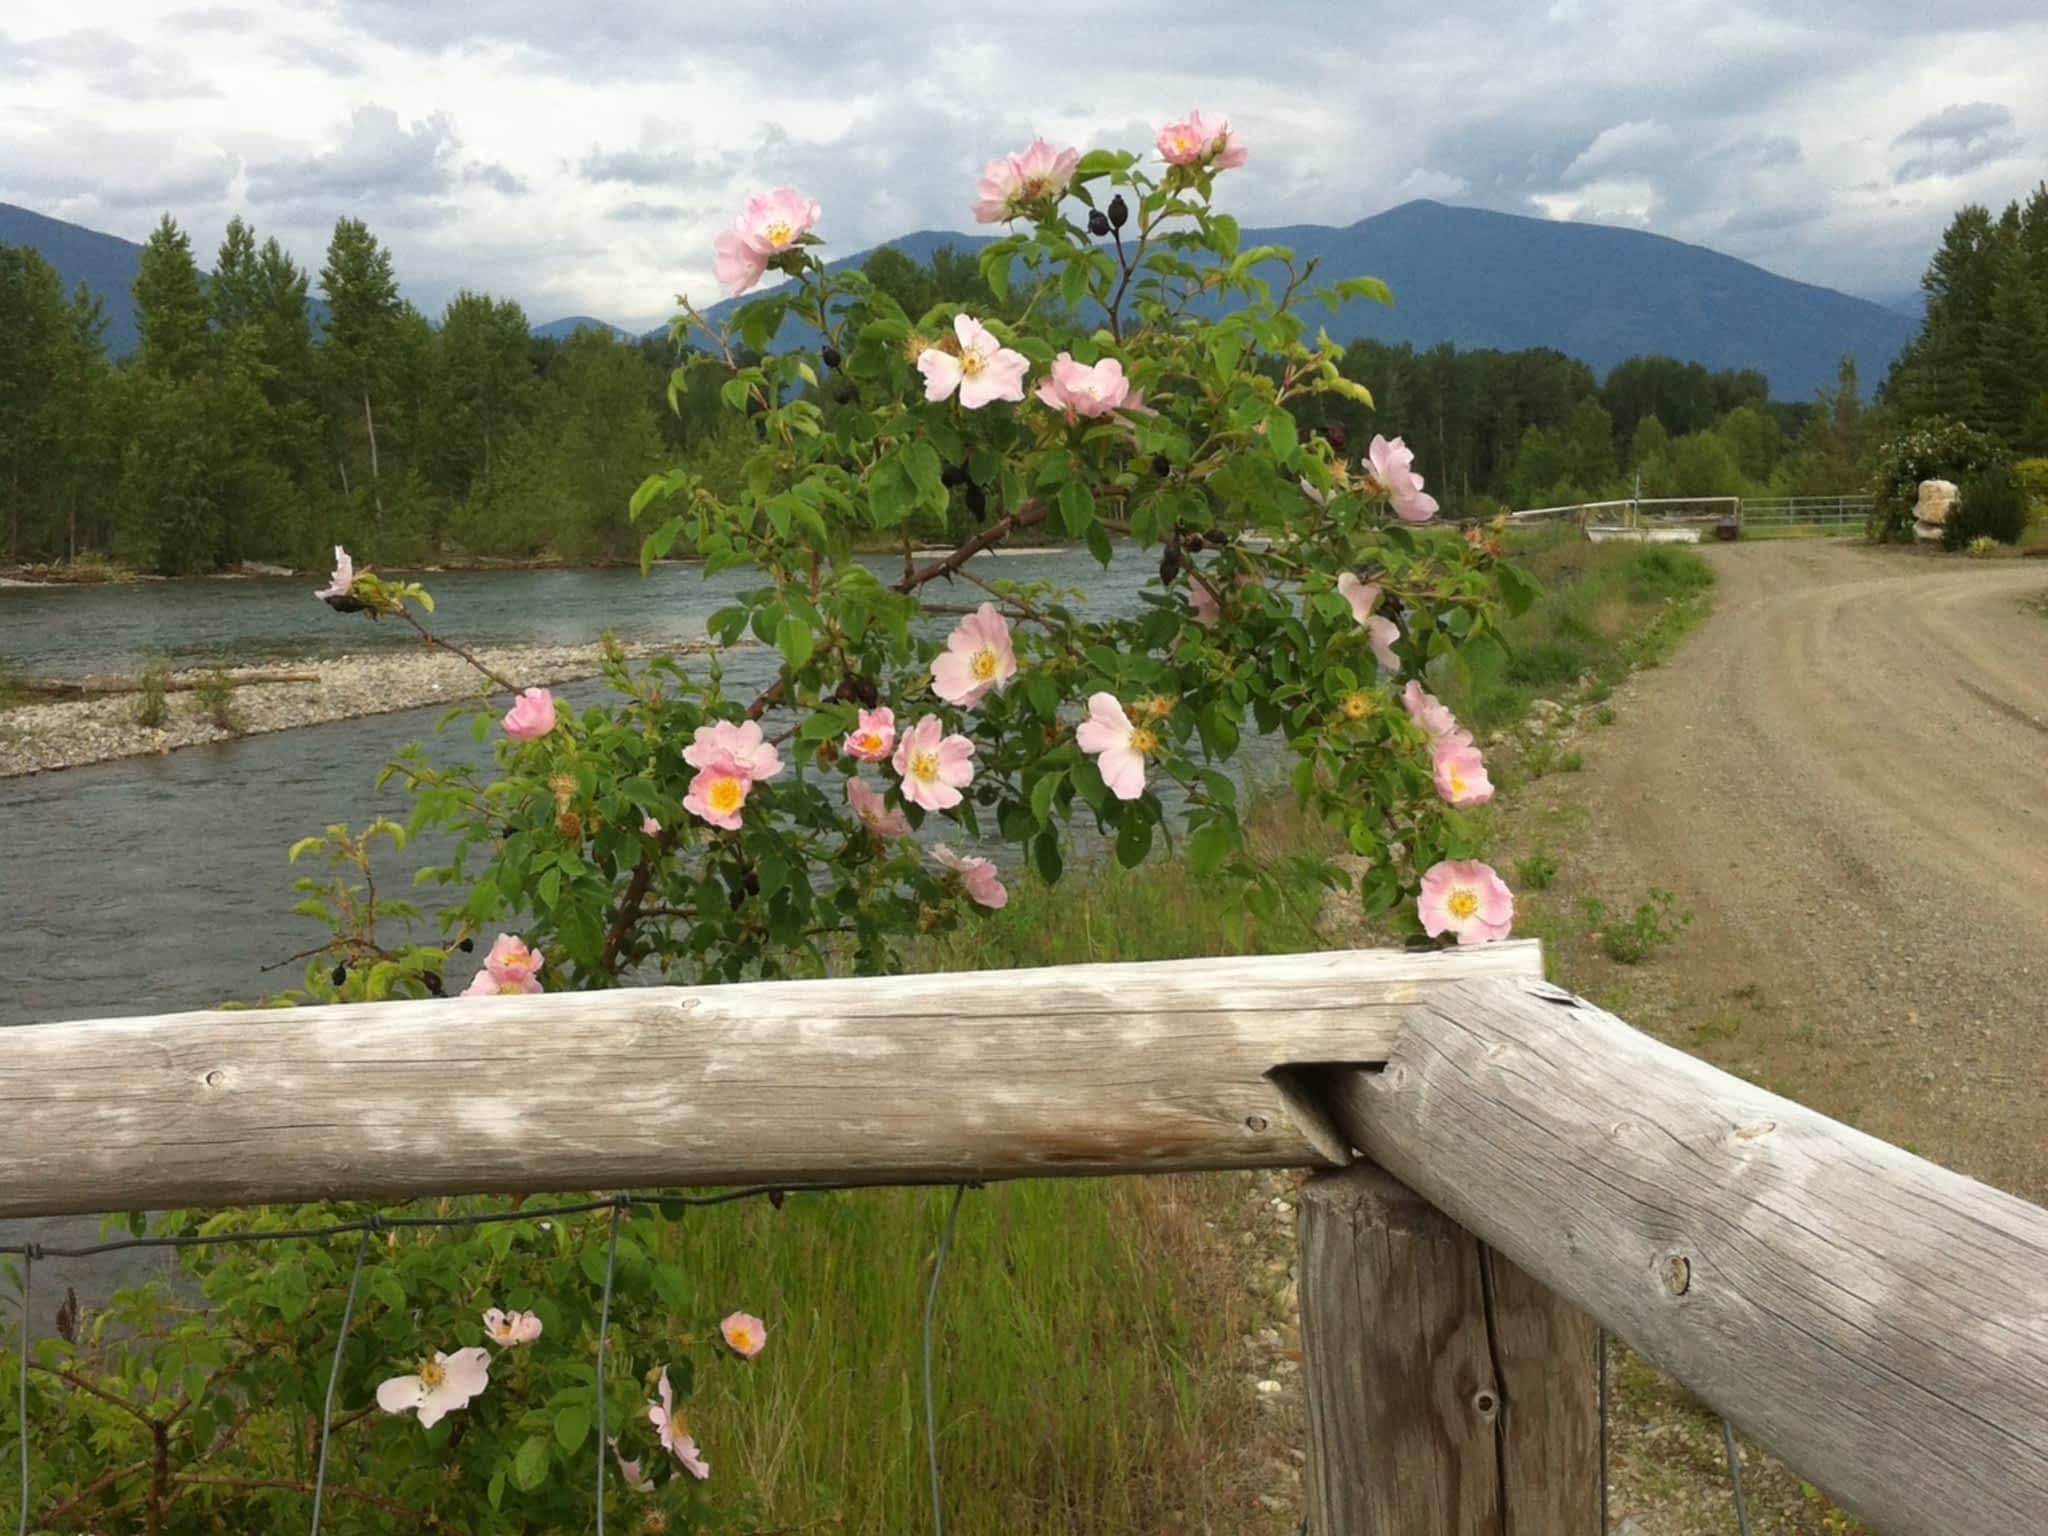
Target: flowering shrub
1934	449
699	832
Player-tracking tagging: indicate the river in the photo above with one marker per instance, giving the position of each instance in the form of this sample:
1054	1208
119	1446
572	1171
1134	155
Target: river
153	884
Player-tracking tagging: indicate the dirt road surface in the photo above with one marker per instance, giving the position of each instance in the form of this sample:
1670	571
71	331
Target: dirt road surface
1844	775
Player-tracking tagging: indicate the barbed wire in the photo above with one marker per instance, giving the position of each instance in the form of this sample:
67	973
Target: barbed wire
362	1228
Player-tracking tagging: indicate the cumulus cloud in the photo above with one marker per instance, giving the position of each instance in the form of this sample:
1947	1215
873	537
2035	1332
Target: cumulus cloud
375	154
1956	139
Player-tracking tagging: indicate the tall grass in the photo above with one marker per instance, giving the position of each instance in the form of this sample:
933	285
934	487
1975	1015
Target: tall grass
1604	609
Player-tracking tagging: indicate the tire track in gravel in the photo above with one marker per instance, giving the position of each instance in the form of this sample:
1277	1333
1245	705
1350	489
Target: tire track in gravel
1844	775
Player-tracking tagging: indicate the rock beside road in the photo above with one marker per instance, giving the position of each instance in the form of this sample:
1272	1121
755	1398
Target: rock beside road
38	738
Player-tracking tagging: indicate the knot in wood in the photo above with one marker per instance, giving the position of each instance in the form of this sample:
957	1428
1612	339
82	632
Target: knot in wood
1255	1122
1485	1404
1676	1271
216	1078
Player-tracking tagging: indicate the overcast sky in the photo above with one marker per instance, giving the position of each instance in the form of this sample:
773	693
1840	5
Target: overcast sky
581	158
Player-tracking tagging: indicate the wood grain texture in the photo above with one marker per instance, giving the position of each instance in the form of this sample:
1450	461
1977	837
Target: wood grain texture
995	1074
1879	1322
1448	1393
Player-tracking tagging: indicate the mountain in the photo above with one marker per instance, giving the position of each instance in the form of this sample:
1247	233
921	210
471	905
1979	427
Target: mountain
1467	276
1476	278
569	325
104	263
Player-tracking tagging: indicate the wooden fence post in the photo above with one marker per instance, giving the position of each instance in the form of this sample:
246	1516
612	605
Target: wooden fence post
1448	1393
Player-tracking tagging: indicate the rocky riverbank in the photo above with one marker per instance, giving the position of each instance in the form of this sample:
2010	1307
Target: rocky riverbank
37	738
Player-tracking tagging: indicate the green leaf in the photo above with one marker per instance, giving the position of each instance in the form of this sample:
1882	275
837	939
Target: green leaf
1365	288
1077	508
1518	589
496	1491
794	639
1041	797
1098	544
1133	838
572	1427
1074	282
1208	847
385	1287
1223	236
1045	853
549	888
927	474
530	1465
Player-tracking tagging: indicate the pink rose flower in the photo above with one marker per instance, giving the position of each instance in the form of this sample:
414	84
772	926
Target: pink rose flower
985	370
1467	898
770	224
1435	718
1089	389
649	827
1460	773
1118	746
630	1471
673	1432
744	1334
935	767
1197	141
742	745
983	884
531	716
508	1330
717	792
1393	469
1009	187
342	580
1380	634
874	812
1363	596
874	737
1207	609
511	963
978	658
444	1383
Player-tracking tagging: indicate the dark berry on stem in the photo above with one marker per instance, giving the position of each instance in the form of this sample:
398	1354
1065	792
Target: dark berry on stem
1119	211
1098	223
338	975
830	357
1162	466
977	502
953	474
467	946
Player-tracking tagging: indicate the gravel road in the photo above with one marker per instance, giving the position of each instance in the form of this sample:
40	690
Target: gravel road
1844	775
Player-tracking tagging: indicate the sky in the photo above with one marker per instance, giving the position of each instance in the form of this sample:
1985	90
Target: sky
581	159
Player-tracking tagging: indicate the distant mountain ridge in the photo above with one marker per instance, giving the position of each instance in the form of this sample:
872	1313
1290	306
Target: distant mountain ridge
1467	276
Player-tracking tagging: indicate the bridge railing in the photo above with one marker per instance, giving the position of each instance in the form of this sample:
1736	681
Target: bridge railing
1518	1171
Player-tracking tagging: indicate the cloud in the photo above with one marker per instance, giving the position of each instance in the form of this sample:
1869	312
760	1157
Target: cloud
375	156
1956	139
582	159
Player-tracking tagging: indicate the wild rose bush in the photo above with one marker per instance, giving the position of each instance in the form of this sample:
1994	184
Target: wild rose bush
924	736
1161	388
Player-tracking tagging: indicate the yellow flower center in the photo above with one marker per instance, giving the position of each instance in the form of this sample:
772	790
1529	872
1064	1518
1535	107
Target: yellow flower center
1463	904
924	765
727	796
983	666
1143	741
778	234
867	741
971	361
432	1374
1182	144
1357	706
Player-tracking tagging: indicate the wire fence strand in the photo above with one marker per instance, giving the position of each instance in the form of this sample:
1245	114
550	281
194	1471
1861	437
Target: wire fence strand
348	1312
1735	1477
28	1275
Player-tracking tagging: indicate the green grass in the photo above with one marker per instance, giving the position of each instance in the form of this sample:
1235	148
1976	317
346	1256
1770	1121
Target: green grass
1605	608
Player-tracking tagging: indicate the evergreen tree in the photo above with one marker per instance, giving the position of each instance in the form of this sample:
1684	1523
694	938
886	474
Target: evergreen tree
357	357
170	305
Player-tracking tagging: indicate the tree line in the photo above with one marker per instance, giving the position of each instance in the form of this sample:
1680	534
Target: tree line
1981	357
251	424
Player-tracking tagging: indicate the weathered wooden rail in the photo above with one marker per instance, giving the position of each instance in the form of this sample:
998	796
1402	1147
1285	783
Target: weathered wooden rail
1520	1169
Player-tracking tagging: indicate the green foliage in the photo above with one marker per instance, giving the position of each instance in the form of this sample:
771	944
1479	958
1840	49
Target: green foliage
1927	450
1991	505
152	709
1631	940
2033	475
1537	871
215	697
1982	353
